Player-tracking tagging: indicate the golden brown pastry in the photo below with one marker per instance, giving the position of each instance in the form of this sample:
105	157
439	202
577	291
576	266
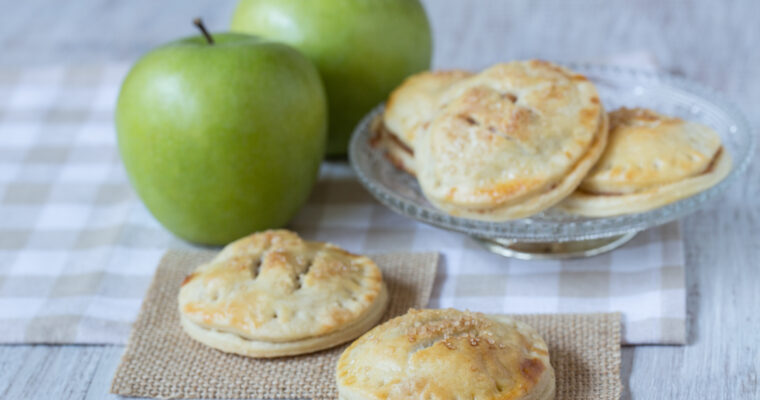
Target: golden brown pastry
651	160
447	354
273	294
409	107
510	141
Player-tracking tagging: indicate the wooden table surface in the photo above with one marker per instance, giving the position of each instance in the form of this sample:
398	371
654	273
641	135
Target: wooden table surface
716	43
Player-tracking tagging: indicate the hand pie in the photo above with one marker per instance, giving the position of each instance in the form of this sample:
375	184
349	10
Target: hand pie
446	354
651	160
273	294
510	141
408	108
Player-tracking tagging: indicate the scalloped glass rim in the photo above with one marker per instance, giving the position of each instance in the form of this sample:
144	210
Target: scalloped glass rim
617	86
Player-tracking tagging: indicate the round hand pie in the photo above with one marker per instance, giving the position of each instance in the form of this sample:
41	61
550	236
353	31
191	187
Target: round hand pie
510	141
408	108
447	354
651	160
273	294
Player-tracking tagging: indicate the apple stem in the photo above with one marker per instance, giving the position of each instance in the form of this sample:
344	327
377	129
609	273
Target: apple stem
202	27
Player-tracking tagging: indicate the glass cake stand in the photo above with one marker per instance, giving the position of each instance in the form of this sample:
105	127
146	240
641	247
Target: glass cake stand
552	234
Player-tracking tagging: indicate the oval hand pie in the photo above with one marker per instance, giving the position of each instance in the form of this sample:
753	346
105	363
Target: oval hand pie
447	354
651	160
273	294
510	141
408	108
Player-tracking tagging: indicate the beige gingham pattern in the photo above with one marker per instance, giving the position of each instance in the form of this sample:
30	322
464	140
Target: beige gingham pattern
78	249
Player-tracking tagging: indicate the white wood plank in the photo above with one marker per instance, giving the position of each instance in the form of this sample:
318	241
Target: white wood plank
48	372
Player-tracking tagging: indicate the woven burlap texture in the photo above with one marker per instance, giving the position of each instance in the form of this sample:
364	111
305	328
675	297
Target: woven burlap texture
162	361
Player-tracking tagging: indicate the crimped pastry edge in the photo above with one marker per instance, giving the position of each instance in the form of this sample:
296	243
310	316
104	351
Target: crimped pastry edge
601	205
232	343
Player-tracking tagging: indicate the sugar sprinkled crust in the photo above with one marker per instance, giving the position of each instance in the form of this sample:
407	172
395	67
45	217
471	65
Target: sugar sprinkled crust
651	160
447	354
647	148
272	293
510	141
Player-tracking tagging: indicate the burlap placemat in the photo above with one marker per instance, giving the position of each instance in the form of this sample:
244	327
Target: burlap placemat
161	361
585	352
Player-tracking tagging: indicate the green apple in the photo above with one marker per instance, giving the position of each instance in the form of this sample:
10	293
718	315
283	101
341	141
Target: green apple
221	140
362	48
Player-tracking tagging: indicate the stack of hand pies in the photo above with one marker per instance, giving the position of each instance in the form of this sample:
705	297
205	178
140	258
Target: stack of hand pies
273	294
521	137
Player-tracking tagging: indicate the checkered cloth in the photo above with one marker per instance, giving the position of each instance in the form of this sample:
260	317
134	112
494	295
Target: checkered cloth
78	249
